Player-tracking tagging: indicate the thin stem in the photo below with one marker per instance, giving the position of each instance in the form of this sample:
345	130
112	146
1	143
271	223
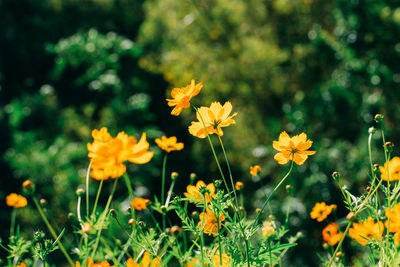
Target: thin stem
270	195
104	217
87	189
163	188
212	148
170	190
12	225
202	231
97	198
288	211
52	232
131	193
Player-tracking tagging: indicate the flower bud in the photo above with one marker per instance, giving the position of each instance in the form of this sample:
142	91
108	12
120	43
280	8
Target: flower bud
193	176
28	187
288	188
378	118
367	188
80	191
389	146
351	216
258	210
86	227
375	168
113	213
218	183
131	221
174	176
339	254
336	176
175	230
163	208
43	202
241	208
325	245
38	235
371	130
195	214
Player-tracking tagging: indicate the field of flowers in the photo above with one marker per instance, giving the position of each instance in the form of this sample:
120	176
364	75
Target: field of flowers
207	225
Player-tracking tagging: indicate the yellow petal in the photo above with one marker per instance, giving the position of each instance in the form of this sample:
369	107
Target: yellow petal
281	159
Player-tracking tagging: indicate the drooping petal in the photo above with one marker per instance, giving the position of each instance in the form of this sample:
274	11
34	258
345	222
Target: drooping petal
281	159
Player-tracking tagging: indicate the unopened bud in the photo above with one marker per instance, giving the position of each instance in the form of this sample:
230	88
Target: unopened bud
43	202
378	118
389	146
163	208
28	187
239	186
367	188
86	227
371	130
351	216
288	188
339	254
258	210
79	192
336	176
375	167
174	176
175	230
193	176
325	245
195	214
113	212
218	183
241	208
38	235
131	221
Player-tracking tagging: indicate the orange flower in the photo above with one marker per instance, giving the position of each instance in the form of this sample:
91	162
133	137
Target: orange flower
169	144
396	239
255	170
294	148
268	228
108	154
140	203
145	261
226	261
394	216
193	263
21	265
91	263
330	234
214	118
320	211
239	186
181	97
194	195
209	222
394	170
366	230
16	201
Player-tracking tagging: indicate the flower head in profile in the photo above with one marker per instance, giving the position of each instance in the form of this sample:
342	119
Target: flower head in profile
331	235
226	260
140	203
169	144
320	211
292	148
181	97
239	185
16	201
394	170
146	261
209	222
367	230
108	153
197	193
91	263
214	118
255	170
394	217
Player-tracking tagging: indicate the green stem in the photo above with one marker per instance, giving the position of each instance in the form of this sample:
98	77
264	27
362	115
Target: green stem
104	217
202	231
288	211
131	194
97	198
163	188
270	195
212	148
52	232
87	189
12	225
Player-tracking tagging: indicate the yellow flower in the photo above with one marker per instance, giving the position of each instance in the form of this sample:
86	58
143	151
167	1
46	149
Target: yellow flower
292	148
320	211
193	263
169	144
108	154
394	217
268	228
91	263
239	186
215	117
366	230
16	201
140	203
330	234
255	170
181	97
146	260
226	261
396	239
21	265
209	222
394	170
194	195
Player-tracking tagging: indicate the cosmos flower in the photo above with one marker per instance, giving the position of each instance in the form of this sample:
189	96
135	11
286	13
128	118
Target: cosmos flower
320	211
181	97
292	148
331	235
169	144
366	230
16	201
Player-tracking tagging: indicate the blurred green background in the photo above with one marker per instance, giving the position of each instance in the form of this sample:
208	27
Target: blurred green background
320	67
